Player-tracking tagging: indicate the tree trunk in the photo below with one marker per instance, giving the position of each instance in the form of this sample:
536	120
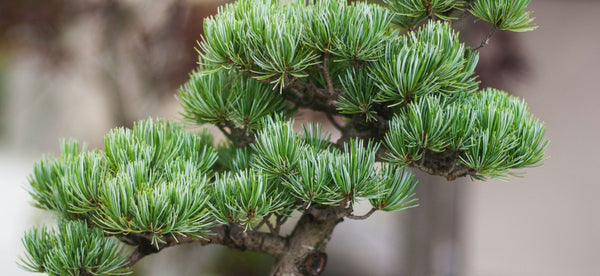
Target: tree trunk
305	249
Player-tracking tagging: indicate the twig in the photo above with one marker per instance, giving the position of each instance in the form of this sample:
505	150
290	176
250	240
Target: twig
260	224
333	122
238	136
454	162
271	228
327	76
280	220
363	216
486	39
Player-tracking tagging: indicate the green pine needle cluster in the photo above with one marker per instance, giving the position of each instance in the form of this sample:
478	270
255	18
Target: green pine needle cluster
222	98
407	99
149	179
73	249
409	13
489	133
509	15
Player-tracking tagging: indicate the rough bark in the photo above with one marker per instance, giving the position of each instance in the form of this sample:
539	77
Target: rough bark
305	249
228	235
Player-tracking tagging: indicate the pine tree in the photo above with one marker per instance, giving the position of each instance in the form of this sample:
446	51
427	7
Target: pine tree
398	75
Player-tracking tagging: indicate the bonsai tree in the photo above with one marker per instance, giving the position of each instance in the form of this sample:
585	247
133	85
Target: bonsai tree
406	92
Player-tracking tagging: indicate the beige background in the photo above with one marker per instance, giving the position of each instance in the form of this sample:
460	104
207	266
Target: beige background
548	223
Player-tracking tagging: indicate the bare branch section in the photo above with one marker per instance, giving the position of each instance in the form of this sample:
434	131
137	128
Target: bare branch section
325	70
302	252
240	136
365	216
232	236
446	164
307	94
487	38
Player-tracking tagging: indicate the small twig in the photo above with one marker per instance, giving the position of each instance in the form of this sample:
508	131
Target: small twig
327	76
271	228
363	216
262	222
454	162
280	220
283	220
135	257
333	122
238	136
486	39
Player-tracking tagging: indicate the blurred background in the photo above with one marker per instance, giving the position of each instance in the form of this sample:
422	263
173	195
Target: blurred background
79	68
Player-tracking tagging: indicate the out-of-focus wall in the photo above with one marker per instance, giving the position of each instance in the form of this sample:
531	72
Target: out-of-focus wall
548	223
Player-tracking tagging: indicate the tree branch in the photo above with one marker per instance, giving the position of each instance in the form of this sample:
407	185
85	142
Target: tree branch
326	75
365	216
280	220
271	228
445	164
230	235
486	39
333	122
239	136
309	95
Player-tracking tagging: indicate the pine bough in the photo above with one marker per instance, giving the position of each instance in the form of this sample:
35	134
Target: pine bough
405	88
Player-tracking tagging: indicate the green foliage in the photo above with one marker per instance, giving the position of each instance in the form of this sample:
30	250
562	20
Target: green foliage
149	179
396	186
360	93
432	61
228	97
82	172
423	126
491	131
259	37
315	138
314	183
408	99
509	15
243	198
278	149
353	171
506	136
73	249
409	13
365	27
138	202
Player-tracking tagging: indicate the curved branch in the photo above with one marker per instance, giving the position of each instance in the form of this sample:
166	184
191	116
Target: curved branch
445	164
230	235
327	76
365	216
486	39
333	122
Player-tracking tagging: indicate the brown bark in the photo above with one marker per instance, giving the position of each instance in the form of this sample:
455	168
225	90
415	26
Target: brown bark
300	253
228	235
305	249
